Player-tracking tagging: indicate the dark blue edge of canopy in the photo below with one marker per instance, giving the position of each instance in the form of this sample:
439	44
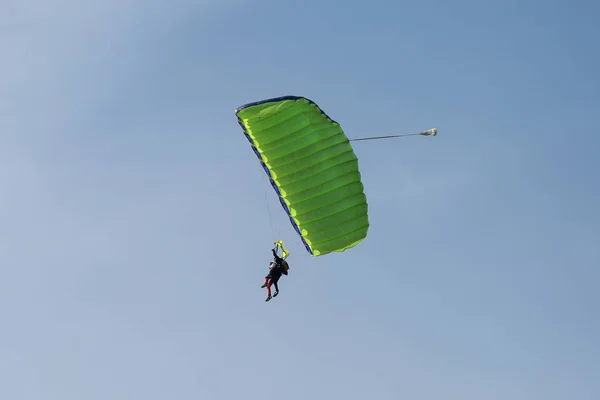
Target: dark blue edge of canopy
283	98
257	153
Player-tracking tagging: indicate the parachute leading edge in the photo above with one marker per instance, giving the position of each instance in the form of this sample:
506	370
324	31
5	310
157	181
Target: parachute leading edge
312	168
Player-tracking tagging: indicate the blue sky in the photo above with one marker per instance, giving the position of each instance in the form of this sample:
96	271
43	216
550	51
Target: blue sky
134	224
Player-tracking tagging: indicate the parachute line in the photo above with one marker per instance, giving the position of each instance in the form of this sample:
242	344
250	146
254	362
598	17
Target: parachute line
269	213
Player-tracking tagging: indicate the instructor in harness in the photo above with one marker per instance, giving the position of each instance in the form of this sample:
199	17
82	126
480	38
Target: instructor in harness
276	268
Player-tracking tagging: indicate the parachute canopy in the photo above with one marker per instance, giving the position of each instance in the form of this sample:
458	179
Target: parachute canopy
312	168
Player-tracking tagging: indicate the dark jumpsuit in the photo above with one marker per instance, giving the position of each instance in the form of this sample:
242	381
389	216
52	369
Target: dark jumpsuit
274	274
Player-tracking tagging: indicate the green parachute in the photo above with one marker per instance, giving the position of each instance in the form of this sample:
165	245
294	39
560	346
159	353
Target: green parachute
312	168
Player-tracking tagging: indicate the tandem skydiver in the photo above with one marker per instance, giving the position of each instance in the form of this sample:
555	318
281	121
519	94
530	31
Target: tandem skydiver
277	267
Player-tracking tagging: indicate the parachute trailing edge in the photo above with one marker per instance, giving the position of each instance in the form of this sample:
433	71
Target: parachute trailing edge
312	168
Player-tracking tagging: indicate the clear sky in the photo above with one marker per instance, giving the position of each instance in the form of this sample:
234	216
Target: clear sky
134	227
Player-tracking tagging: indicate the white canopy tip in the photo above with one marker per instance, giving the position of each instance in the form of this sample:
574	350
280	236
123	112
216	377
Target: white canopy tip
430	132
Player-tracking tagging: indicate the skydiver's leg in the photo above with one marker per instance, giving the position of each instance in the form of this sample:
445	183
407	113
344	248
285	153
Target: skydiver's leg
266	281
269	283
276	288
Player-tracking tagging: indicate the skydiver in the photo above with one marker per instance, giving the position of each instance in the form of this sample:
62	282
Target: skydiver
276	268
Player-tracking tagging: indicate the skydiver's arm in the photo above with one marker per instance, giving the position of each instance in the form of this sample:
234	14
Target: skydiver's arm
279	259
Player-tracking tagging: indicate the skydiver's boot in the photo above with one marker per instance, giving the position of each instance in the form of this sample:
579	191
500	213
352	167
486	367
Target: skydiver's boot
268	298
276	293
264	285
